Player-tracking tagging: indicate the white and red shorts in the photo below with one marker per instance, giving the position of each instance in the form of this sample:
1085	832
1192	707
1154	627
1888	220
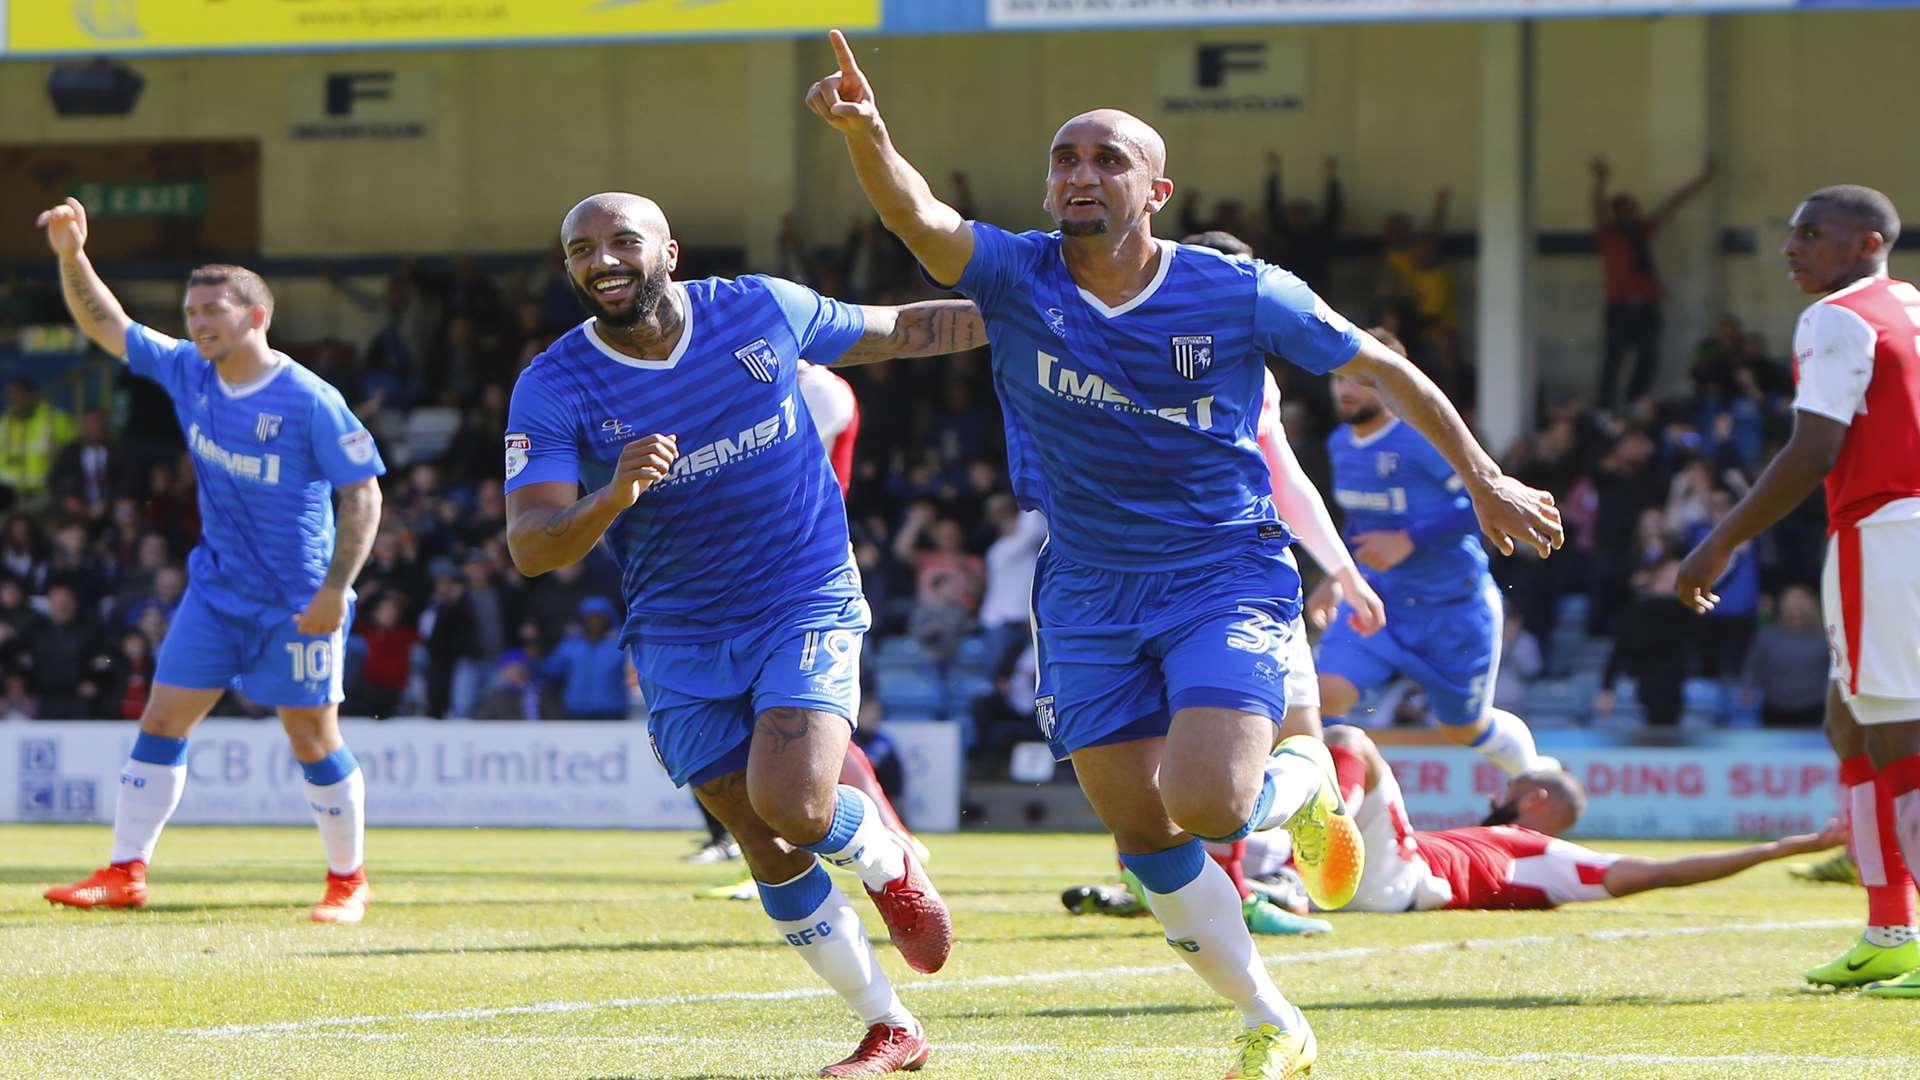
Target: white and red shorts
1870	594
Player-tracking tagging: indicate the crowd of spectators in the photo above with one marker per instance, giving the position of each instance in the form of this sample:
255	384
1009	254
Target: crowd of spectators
102	515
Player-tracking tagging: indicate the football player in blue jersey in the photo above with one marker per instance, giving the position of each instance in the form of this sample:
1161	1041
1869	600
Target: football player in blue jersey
1411	527
676	405
1129	371
270	584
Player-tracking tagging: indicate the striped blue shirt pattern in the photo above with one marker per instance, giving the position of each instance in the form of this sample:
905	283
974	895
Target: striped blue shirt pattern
266	459
1394	480
1133	428
749	523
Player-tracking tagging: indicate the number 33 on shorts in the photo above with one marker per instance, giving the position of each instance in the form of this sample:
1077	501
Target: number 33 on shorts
1258	633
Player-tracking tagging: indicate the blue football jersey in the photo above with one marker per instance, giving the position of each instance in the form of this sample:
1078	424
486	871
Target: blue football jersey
266	458
749	521
1133	428
1392	480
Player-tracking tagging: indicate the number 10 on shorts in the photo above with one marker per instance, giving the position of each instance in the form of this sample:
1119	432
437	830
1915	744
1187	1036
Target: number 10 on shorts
312	660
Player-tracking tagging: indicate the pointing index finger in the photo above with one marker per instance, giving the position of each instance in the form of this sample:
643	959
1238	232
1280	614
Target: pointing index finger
849	67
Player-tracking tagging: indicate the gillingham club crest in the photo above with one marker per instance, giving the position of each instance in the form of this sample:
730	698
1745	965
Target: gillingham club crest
759	359
1192	354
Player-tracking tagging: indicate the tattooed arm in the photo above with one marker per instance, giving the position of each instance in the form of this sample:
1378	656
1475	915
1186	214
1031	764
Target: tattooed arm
548	526
355	524
929	328
100	316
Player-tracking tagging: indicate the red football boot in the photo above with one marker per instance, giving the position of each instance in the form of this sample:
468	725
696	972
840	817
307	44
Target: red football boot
346	899
122	885
884	1050
917	919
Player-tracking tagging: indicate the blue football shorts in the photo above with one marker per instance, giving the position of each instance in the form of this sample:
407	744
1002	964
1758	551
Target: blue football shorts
259	651
1120	652
703	697
1452	649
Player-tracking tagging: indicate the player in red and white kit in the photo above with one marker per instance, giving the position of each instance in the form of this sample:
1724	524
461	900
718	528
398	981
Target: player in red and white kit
1516	859
1856	426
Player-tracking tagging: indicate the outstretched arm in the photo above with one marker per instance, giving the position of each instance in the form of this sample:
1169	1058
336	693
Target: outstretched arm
1602	216
90	302
928	328
1683	196
1508	510
1631	875
935	232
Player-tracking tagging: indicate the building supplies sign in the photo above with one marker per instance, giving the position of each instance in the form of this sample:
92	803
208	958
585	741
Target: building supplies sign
1650	793
556	775
129	26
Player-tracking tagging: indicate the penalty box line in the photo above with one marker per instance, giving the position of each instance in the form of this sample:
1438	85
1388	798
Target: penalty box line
986	981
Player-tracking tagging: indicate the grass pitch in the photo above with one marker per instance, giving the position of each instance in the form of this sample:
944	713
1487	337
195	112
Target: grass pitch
581	954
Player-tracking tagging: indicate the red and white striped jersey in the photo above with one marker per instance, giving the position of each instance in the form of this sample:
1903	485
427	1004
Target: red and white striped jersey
1856	359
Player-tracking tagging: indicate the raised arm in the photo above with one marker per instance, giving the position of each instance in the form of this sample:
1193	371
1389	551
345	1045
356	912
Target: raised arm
1632	874
1602	214
550	525
1507	509
1669	206
928	328
91	304
356	523
935	232
1437	220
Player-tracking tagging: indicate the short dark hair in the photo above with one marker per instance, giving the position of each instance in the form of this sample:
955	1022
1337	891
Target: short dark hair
1869	209
1221	241
242	284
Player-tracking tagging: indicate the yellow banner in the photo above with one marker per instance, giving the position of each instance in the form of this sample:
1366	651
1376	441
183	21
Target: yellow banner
105	26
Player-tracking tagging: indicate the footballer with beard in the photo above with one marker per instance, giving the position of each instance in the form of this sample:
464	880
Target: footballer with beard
670	423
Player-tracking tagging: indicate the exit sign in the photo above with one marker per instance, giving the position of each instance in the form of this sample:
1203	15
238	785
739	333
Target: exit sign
143	198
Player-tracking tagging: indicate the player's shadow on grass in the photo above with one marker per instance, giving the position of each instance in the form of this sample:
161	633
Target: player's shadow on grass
756	945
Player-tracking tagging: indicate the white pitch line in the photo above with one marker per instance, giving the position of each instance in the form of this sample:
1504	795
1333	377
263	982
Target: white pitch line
1048	1049
1027	979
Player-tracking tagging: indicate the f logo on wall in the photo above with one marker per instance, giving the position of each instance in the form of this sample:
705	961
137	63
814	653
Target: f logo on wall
365	104
1250	74
1192	355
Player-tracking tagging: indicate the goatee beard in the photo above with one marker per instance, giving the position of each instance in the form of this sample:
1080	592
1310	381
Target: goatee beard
646	300
1363	414
1505	814
1082	228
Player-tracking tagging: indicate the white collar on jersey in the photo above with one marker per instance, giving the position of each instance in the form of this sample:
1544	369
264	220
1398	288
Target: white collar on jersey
679	349
1362	442
280	362
1159	275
